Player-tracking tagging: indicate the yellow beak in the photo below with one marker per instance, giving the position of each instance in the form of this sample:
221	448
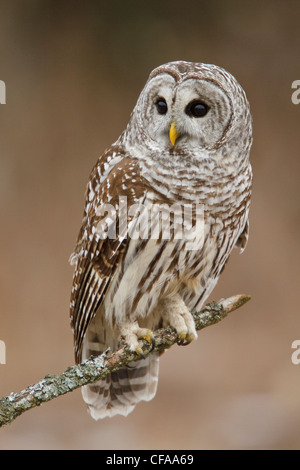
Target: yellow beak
173	133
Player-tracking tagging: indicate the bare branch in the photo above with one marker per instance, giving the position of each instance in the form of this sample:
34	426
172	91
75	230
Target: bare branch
96	368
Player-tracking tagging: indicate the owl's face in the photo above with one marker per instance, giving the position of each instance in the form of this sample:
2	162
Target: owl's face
193	110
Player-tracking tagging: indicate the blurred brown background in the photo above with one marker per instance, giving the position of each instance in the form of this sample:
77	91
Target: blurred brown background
73	71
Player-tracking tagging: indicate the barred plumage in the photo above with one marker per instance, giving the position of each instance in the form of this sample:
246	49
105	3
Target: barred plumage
187	143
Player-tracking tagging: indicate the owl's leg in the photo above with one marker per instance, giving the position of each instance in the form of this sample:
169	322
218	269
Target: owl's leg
176	314
132	333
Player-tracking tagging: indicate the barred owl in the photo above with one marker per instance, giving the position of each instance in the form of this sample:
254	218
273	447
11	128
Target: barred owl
187	143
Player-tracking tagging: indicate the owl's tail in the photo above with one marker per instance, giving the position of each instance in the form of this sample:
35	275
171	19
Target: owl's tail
120	391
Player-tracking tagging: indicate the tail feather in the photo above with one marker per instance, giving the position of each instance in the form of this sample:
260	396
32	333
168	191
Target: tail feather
120	391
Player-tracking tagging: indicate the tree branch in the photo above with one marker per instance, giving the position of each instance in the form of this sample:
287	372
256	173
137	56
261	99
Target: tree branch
96	368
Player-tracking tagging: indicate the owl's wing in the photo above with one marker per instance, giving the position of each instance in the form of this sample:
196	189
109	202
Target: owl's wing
113	179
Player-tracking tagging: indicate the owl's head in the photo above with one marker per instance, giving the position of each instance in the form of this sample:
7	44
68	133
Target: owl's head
193	108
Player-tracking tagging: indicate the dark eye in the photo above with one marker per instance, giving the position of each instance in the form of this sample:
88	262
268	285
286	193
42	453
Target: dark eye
161	106
196	109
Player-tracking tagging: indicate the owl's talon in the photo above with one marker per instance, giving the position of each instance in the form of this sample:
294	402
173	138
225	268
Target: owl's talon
153	342
181	337
148	336
179	317
190	337
132	333
139	350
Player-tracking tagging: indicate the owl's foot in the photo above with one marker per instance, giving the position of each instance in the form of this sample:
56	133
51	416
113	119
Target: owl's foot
176	314
132	333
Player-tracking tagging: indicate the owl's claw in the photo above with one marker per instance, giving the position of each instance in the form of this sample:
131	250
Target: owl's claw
132	333
148	336
137	349
186	340
177	315
152	344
